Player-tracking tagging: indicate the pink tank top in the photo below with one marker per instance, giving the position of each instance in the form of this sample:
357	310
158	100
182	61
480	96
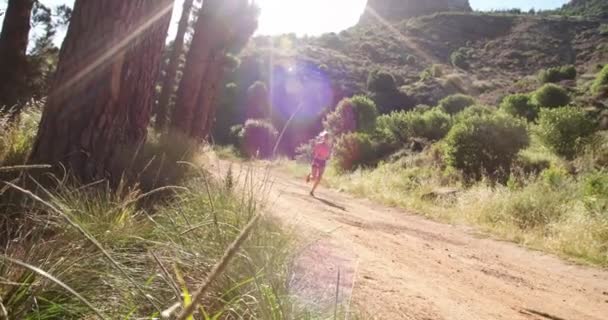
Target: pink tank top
322	151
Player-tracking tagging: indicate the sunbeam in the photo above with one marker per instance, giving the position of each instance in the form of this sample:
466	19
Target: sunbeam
108	55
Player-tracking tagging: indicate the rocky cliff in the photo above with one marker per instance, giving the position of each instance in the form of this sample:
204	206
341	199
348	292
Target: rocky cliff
397	10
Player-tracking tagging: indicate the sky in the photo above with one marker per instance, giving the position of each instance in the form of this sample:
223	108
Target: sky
314	17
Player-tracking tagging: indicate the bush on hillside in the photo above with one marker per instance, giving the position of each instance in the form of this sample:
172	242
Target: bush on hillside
520	105
564	130
459	59
601	81
411	60
389	101
358	113
381	81
257	138
456	103
551	96
557	74
595	192
402	126
485	144
474	110
353	150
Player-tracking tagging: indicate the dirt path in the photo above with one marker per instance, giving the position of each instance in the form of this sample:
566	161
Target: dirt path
394	265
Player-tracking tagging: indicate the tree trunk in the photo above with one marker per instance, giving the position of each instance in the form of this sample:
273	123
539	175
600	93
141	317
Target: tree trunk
204	41
101	96
221	24
203	118
13	49
168	85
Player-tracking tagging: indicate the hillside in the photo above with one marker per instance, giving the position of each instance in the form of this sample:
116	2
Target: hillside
498	49
486	55
589	8
397	10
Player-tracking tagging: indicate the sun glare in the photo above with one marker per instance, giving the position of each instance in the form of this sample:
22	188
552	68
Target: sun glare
312	17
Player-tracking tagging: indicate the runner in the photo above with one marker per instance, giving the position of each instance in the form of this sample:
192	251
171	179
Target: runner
320	154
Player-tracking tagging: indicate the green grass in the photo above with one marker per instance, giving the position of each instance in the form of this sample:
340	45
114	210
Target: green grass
73	251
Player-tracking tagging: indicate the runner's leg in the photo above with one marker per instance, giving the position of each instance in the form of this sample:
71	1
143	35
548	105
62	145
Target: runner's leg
317	179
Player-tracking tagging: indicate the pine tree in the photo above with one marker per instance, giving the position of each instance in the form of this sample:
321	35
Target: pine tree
101	96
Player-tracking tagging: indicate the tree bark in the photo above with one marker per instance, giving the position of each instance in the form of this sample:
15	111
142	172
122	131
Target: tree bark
13	49
203	118
101	96
204	41
221	24
168	85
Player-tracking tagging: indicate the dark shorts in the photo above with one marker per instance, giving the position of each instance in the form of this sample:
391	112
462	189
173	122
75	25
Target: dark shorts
318	163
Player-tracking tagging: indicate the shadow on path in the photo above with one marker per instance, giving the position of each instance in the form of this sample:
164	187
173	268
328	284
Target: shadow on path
329	203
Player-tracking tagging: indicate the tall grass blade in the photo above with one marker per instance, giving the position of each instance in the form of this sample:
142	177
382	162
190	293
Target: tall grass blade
88	236
218	269
56	281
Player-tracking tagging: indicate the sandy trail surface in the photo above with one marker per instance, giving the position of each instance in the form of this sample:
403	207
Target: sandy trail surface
396	265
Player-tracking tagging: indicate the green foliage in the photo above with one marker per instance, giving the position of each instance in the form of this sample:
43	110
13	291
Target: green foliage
485	144
601	81
402	126
586	8
389	101
473	111
520	105
455	103
353	150
551	96
257	139
380	81
434	71
358	113
185	237
458	58
16	140
564	130
557	74
535	206
595	192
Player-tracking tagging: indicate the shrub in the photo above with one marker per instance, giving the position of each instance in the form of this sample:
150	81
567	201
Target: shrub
434	71
536	205
520	105
380	81
456	103
474	110
358	113
557	74
564	130
601	81
402	126
411	60
258	138
353	150
389	101
459	59
485	144
551	96
17	140
595	192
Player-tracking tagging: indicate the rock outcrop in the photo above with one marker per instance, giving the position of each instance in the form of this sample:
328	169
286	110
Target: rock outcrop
398	10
